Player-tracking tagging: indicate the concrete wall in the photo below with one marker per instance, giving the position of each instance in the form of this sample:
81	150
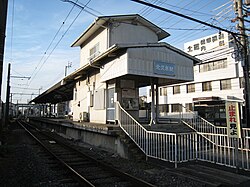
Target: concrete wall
126	32
112	143
84	94
101	38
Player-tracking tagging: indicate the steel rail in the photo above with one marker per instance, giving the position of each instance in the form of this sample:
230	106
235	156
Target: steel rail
124	175
80	178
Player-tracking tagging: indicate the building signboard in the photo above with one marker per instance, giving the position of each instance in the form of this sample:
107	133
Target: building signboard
233	120
164	68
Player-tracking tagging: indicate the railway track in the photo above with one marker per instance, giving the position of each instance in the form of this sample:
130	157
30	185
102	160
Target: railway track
80	169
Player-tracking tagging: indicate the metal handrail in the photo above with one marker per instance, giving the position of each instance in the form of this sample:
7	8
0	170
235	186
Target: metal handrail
210	145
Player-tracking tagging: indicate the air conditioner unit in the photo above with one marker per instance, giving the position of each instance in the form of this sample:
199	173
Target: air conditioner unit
84	117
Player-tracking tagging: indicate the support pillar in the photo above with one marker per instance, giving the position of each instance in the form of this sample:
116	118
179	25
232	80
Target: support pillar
152	121
157	102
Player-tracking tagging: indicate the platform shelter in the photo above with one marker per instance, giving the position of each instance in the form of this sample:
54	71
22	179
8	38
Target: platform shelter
119	55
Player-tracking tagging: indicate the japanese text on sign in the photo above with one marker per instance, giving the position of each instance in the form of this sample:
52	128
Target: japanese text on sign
233	120
164	68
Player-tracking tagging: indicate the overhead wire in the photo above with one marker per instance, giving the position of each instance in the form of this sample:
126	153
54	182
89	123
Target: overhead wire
34	75
53	39
190	35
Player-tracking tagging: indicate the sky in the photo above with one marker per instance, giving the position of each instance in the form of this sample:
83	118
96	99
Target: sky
40	32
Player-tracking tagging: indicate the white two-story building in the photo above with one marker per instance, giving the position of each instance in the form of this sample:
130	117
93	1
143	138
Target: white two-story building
118	55
217	79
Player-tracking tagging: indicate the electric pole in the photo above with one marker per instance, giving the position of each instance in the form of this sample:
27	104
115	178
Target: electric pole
3	18
7	103
245	61
67	66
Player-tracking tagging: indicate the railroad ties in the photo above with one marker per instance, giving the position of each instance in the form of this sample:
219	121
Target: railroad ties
78	168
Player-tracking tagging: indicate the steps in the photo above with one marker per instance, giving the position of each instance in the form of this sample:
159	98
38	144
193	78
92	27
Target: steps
171	126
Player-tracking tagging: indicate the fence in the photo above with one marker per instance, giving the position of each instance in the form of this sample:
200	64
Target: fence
209	143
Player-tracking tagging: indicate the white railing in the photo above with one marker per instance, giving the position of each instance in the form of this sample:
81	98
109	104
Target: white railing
213	146
170	147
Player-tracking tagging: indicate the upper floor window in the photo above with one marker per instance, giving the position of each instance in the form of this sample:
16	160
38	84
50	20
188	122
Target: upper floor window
190	88
218	64
163	91
207	86
242	82
94	51
176	89
225	84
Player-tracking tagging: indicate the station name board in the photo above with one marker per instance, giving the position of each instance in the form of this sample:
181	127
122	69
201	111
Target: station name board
164	68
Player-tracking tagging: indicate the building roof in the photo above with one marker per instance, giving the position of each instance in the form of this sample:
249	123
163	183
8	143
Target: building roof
63	90
100	22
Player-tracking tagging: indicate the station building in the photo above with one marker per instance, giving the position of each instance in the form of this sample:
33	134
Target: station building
119	55
217	78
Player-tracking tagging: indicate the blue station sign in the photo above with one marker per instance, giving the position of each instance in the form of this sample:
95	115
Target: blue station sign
164	68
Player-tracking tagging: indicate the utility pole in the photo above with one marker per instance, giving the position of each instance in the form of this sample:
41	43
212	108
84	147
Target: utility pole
67	66
3	18
245	55
6	110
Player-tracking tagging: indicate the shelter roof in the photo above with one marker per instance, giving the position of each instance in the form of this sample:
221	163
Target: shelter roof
102	20
63	90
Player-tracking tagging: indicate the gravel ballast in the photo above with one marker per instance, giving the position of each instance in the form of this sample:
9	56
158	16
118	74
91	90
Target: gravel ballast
22	165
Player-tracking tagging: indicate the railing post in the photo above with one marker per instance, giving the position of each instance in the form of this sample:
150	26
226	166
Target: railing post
147	142
176	151
196	146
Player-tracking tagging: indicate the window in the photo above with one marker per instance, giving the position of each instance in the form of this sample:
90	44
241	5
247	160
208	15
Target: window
163	91
225	84
176	108
242	82
176	89
94	51
163	108
190	88
203	42
196	46
189	107
218	64
207	86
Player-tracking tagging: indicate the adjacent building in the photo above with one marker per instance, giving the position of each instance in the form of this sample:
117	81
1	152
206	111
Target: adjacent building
217	79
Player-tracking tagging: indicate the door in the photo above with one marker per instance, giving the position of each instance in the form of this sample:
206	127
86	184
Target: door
110	105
